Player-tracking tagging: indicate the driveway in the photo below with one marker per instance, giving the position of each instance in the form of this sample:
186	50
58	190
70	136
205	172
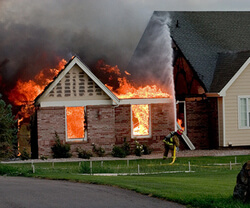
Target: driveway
19	192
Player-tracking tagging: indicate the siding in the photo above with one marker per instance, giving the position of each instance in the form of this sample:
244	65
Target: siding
220	121
240	87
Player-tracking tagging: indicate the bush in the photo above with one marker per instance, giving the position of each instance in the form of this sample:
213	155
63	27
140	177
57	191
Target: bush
146	150
84	154
60	150
138	148
118	152
98	150
126	147
24	155
8	131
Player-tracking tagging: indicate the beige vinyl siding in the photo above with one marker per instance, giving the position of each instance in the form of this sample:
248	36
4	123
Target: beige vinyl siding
220	120
240	87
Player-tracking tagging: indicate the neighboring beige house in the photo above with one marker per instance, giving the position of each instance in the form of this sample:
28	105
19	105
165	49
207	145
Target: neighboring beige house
234	108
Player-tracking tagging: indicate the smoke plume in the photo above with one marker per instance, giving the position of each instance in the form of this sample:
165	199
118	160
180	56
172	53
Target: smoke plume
151	62
36	35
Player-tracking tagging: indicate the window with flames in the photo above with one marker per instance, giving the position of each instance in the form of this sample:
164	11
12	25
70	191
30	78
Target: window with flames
75	123
141	121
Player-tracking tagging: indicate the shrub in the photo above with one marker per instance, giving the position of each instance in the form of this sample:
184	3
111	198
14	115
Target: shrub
60	150
138	148
118	152
8	131
146	150
24	155
98	150
84	154
43	157
126	147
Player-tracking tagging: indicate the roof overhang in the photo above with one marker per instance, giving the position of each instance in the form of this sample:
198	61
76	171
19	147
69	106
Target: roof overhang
145	101
232	80
212	94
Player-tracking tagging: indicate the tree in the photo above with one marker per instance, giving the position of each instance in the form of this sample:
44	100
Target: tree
8	131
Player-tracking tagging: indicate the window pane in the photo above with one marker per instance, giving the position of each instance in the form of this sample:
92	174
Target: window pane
75	122
243	112
140	120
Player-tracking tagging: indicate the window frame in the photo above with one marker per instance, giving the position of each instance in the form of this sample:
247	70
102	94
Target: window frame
66	127
247	112
149	135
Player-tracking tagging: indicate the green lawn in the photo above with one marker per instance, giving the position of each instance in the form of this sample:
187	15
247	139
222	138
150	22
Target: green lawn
210	185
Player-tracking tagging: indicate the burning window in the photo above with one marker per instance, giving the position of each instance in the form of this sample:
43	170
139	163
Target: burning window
181	114
140	120
75	122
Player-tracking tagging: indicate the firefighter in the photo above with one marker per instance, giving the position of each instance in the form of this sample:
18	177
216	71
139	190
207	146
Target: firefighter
171	141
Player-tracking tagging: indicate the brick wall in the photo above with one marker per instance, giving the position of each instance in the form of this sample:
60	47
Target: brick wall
202	123
162	123
49	121
101	126
197	123
123	123
106	126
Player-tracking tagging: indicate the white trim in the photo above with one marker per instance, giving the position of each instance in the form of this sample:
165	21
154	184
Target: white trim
239	113
238	73
66	128
150	125
144	101
87	71
56	81
75	103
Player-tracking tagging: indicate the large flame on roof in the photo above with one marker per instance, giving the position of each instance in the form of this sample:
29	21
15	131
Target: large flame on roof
140	113
26	91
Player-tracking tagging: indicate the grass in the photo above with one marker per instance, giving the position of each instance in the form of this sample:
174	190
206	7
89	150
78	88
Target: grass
210	185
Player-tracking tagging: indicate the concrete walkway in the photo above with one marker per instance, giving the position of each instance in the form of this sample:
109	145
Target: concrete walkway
184	153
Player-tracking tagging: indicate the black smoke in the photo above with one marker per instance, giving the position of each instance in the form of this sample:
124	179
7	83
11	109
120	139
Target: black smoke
38	34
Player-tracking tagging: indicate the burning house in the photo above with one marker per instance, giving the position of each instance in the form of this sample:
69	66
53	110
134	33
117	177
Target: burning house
211	73
82	111
189	68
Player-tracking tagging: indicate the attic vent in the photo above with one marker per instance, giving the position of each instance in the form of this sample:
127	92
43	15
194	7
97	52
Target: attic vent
59	90
81	84
77	84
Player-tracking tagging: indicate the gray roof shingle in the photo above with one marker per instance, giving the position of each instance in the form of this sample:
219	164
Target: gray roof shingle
227	66
201	36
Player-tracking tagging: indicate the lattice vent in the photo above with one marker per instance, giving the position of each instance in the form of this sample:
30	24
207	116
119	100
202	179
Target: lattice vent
76	83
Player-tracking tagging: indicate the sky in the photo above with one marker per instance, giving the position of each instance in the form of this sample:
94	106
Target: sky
36	34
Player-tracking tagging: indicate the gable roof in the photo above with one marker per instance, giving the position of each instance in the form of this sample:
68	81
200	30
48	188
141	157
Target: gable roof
201	36
236	75
62	73
228	64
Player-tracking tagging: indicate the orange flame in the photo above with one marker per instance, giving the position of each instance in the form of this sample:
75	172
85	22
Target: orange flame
25	92
75	122
140	120
180	122
140	112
